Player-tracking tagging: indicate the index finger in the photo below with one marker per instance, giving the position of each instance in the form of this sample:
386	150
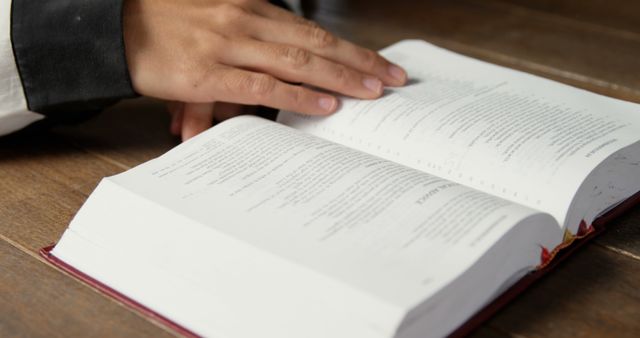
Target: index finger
298	32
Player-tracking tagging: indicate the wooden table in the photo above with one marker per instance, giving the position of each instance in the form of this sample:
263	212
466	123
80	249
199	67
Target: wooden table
46	176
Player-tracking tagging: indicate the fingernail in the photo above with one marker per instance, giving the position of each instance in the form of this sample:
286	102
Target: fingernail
397	73
328	104
373	84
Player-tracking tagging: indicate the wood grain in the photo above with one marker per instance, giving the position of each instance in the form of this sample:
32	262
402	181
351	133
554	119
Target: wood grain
591	44
594	294
612	16
538	42
126	134
46	181
38	301
624	235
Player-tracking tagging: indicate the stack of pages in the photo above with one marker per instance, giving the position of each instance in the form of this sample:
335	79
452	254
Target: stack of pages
397	217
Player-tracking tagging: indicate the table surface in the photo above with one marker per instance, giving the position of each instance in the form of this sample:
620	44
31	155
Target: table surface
592	44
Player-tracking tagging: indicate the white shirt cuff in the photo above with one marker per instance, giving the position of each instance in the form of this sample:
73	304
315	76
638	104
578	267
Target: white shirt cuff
14	113
295	6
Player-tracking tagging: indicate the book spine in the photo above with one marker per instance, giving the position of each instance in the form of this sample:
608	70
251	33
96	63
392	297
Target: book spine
119	297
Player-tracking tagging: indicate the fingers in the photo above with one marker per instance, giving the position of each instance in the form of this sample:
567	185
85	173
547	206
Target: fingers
282	27
175	110
196	118
250	88
176	123
268	10
178	55
299	65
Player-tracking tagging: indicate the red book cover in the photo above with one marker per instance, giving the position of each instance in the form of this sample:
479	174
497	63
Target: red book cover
550	259
145	311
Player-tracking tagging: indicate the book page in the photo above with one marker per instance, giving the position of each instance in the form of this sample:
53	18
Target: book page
507	133
363	220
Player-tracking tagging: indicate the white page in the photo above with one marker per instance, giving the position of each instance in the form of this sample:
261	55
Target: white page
212	284
511	134
365	221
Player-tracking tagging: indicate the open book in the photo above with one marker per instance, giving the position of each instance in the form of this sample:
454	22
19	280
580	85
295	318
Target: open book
398	217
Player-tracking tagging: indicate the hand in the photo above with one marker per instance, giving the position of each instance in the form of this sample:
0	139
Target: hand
190	119
246	52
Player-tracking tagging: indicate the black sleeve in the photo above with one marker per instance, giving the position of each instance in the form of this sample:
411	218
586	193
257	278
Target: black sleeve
280	3
70	55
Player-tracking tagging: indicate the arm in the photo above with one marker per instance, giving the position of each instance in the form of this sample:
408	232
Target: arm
63	59
83	55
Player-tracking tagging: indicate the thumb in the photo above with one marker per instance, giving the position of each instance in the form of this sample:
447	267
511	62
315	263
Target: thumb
196	118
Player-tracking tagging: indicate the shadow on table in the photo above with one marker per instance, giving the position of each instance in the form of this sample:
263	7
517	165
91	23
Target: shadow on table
563	301
133	130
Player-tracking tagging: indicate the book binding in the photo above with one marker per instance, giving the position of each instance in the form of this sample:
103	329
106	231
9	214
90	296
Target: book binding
599	225
119	297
